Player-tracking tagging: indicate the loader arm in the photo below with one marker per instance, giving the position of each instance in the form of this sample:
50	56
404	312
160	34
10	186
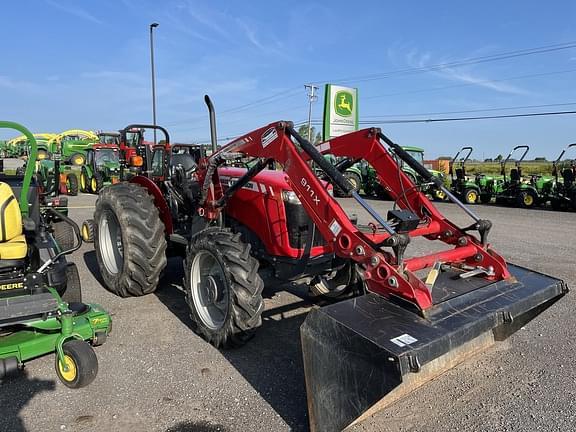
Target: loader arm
379	252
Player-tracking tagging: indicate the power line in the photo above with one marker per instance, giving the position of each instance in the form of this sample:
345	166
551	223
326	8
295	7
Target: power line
451	119
458	63
293	91
471	84
376	118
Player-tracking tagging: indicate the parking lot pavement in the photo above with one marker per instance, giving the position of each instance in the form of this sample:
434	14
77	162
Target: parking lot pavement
156	375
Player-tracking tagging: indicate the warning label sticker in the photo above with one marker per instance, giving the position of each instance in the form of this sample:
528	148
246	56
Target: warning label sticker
269	136
403	340
335	227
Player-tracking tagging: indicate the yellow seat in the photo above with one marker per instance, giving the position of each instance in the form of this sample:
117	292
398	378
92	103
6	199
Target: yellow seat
12	242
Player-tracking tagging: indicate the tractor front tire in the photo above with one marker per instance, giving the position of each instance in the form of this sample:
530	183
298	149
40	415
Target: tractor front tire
129	240
82	364
527	199
470	196
343	282
223	288
71	184
84	181
88	231
96	182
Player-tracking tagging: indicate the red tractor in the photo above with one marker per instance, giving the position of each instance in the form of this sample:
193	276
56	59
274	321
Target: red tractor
409	314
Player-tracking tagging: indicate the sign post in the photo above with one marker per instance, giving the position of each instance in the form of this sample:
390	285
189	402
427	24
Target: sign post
340	111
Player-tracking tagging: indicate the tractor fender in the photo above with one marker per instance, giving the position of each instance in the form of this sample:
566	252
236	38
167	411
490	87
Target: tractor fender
159	200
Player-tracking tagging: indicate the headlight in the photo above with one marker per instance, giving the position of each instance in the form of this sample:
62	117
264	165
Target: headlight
290	197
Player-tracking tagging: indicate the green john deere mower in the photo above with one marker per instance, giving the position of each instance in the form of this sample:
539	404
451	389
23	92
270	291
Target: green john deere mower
41	309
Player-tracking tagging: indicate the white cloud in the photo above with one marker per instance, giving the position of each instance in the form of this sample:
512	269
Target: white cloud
461	74
75	10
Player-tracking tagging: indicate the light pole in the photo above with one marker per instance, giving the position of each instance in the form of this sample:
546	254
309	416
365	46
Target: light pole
311	98
152	27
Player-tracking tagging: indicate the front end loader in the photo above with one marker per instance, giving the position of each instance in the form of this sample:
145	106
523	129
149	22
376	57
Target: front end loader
407	317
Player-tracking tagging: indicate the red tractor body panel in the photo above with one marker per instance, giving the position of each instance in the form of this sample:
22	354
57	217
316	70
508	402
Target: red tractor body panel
260	207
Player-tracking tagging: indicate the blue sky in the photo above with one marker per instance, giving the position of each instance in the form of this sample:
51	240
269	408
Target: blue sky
85	64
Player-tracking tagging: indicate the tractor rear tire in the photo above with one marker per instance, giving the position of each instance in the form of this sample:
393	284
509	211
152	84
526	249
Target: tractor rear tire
77	159
527	199
96	182
64	235
354	180
73	293
223	288
71	184
485	198
129	240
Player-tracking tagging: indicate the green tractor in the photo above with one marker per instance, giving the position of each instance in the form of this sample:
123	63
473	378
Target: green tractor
41	308
102	168
56	178
514	189
465	189
563	194
362	175
72	144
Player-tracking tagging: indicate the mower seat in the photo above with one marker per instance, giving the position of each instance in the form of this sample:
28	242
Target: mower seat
12	241
460	174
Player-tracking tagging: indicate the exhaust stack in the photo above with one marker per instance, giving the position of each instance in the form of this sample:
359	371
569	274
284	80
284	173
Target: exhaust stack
213	137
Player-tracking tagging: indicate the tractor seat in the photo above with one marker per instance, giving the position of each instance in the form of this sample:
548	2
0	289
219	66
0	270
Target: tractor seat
460	174
514	175
186	160
12	241
568	176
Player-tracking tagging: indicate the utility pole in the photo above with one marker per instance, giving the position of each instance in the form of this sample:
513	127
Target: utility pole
312	97
152	27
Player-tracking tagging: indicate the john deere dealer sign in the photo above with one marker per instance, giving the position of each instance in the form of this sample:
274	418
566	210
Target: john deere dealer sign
340	111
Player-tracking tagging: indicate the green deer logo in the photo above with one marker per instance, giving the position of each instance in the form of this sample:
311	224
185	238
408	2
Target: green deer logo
344	103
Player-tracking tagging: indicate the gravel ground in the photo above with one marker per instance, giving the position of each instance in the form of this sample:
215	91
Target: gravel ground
156	375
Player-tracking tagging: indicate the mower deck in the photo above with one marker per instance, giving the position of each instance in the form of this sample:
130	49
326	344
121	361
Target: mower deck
357	352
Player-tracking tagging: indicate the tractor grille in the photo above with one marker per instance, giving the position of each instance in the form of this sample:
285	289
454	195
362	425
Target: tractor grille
298	223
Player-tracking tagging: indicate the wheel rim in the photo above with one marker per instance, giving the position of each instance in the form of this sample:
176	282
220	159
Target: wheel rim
111	246
209	294
70	374
68	185
78	160
440	195
528	199
83	181
471	197
94	184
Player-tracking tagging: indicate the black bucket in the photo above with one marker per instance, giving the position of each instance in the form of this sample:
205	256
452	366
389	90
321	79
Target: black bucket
362	354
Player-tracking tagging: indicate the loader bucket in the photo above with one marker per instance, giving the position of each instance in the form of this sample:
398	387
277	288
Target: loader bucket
363	354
